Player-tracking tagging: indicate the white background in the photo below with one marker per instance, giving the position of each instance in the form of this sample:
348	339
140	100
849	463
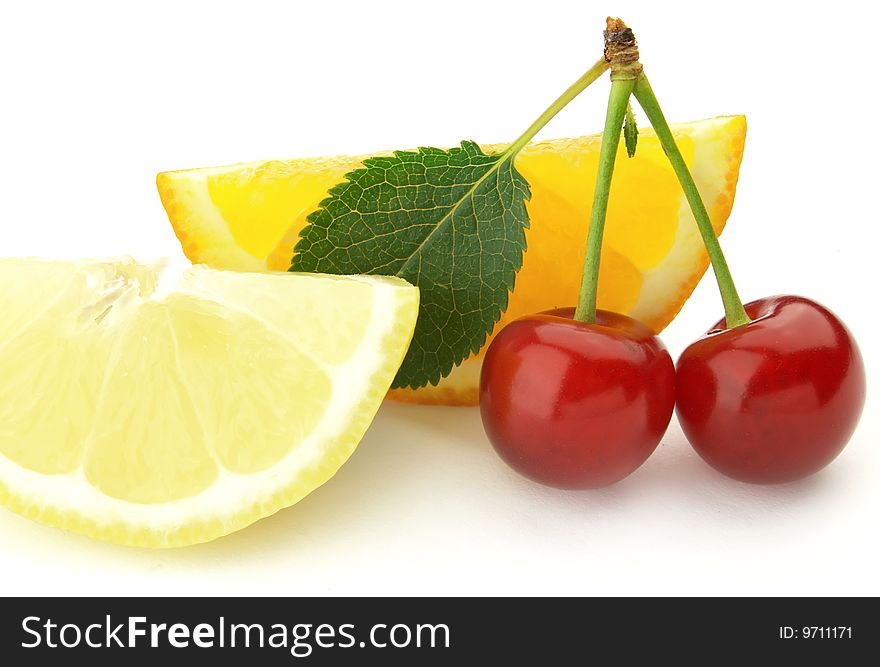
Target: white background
98	97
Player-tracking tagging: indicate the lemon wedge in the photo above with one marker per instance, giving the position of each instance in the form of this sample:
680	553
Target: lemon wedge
166	419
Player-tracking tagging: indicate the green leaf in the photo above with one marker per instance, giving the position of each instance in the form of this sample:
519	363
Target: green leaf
450	222
630	131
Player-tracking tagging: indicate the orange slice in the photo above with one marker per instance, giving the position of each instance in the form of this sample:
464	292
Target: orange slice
248	217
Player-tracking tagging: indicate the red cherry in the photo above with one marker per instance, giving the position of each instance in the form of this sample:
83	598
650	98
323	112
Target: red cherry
774	400
576	405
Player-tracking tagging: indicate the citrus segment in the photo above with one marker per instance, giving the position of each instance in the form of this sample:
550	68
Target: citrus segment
147	447
242	381
34	365
250	200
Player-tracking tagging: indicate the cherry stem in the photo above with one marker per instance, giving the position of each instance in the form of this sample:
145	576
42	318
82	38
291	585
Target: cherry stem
621	89
571	92
734	313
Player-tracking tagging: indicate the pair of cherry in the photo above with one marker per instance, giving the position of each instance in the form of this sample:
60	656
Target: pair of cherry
580	398
577	405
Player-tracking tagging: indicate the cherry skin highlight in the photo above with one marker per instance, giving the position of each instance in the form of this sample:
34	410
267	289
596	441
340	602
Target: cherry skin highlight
576	405
774	400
